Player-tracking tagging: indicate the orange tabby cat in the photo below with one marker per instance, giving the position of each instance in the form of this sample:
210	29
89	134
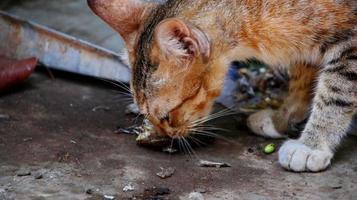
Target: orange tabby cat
180	51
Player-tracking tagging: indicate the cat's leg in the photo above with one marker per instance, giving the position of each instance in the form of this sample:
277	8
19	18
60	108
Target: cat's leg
274	123
334	105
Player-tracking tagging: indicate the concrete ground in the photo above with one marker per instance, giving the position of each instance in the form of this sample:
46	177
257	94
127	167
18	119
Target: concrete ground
54	132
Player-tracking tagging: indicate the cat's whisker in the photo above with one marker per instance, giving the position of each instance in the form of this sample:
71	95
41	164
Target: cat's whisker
129	101
181	139
124	98
197	141
184	147
125	94
210	134
190	150
171	146
211	128
145	118
124	86
189	147
136	118
224	111
125	101
180	146
206	128
221	113
211	117
118	84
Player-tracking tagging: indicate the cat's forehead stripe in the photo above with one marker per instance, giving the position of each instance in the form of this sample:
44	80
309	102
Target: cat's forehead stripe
143	66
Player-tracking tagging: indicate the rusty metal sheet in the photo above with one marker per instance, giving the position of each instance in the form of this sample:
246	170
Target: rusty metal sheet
22	39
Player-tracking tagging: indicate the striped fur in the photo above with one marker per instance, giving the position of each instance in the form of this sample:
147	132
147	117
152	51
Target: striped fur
315	40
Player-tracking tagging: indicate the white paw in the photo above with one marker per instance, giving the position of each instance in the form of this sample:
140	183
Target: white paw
298	157
261	123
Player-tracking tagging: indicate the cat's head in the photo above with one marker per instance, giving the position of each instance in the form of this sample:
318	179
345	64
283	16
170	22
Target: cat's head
172	81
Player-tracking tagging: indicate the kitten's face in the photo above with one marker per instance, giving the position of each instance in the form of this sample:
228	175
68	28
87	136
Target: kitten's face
170	63
175	94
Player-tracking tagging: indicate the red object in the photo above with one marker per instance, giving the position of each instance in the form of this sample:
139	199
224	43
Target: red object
13	72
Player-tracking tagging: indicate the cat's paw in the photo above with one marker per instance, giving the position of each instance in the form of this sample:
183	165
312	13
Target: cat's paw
298	157
261	123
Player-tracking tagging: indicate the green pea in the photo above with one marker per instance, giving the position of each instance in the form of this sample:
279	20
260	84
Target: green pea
269	148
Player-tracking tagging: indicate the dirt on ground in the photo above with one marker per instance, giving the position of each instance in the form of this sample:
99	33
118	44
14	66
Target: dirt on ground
53	145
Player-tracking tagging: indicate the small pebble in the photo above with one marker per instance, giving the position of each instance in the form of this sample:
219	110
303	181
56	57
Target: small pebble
27	139
195	196
38	176
205	163
166	172
103	108
169	150
162	191
23	173
109	197
128	188
337	187
157	192
89	192
4	117
200	190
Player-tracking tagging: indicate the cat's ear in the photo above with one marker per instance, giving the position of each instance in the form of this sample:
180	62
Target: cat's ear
124	16
176	38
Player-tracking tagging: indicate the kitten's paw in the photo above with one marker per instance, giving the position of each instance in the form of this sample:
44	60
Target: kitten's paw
261	123
298	157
